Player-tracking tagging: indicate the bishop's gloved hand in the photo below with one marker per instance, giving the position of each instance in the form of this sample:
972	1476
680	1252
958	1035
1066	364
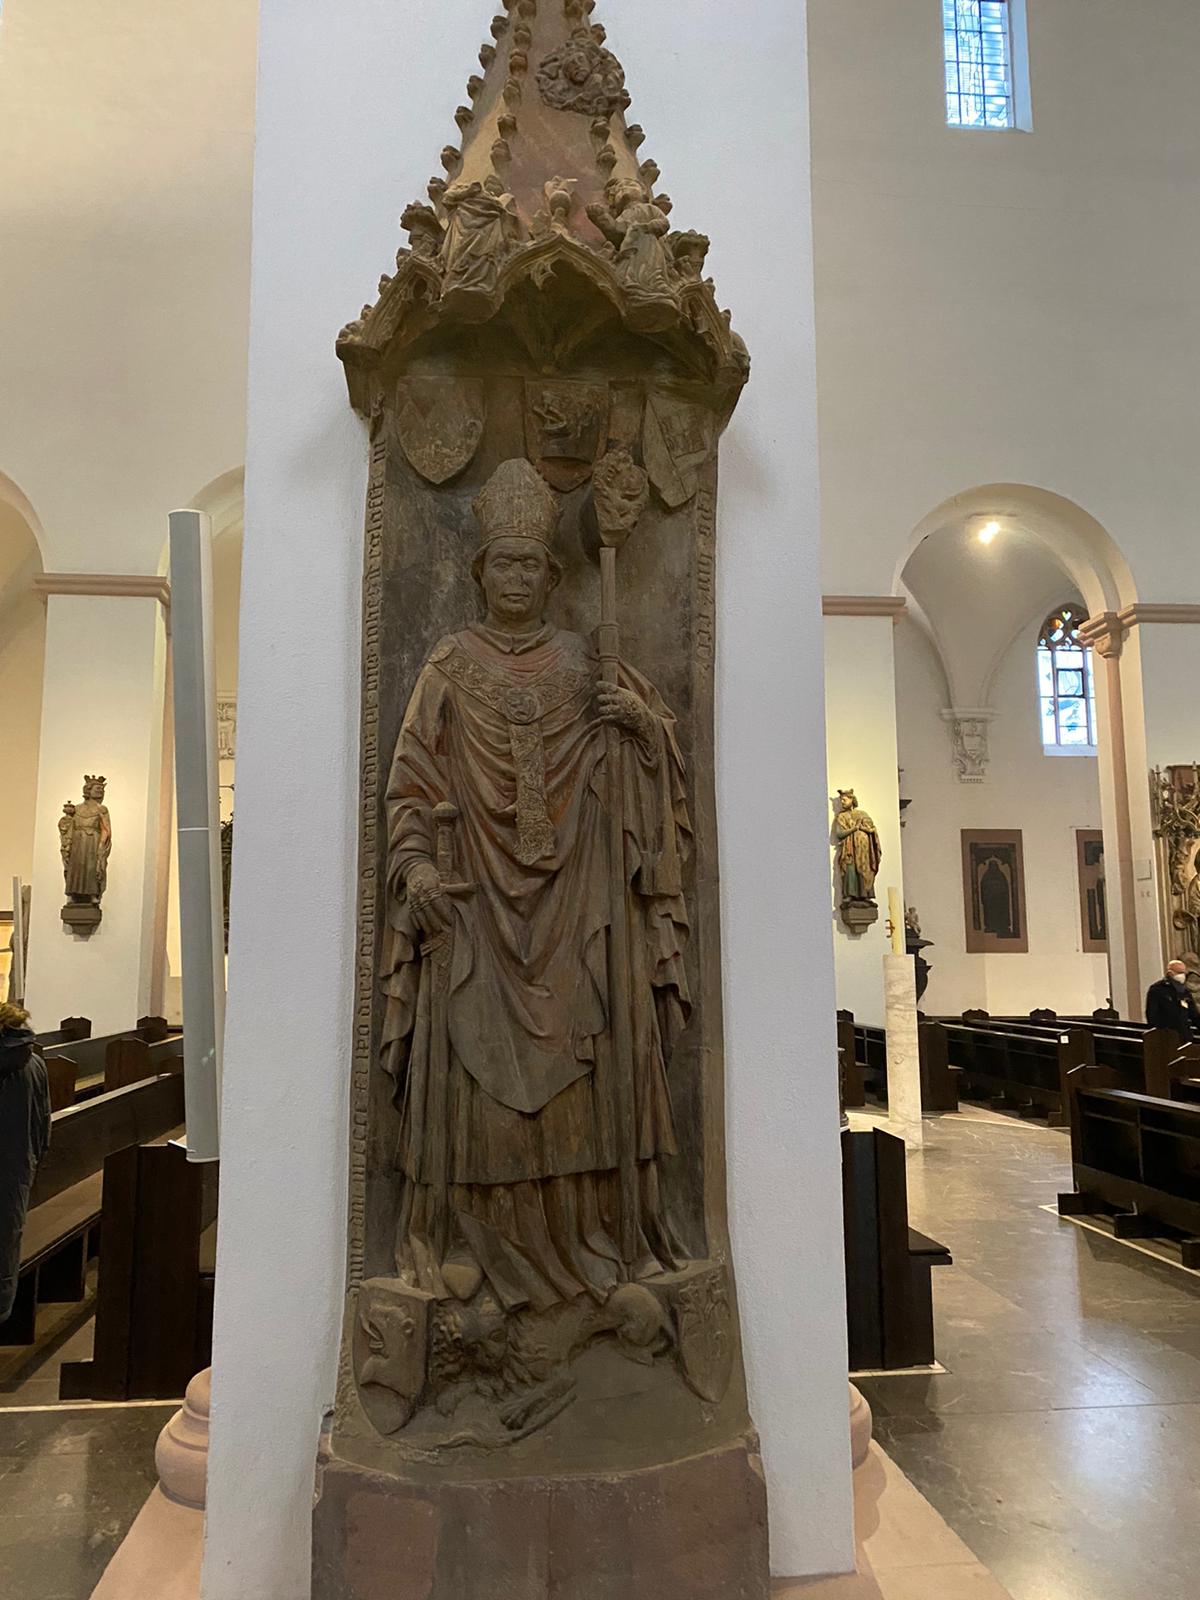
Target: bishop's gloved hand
621	708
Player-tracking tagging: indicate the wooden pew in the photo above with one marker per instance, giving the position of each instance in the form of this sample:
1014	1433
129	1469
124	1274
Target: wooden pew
854	1094
1136	1157
939	1078
90	1055
155	1302
889	1291
1021	1067
61	1229
68	1030
130	1058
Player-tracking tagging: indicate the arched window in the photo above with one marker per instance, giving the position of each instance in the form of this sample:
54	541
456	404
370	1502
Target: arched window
984	55
1066	685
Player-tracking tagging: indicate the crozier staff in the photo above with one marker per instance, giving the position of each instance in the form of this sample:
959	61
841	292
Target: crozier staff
509	1138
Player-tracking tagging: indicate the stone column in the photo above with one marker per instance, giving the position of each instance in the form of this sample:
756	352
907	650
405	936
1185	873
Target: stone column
903	1051
1133	943
102	712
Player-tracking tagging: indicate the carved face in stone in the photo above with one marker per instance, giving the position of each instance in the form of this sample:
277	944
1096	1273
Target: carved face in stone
517	579
94	791
577	63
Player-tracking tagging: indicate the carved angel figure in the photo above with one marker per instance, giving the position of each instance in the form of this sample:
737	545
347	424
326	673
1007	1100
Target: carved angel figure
482	228
86	842
630	220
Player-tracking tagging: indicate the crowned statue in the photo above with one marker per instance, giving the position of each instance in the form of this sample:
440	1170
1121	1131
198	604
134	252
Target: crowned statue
858	849
499	1032
85	835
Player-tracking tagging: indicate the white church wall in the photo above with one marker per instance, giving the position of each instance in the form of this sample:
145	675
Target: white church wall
336	182
125	157
988	303
1047	797
22	649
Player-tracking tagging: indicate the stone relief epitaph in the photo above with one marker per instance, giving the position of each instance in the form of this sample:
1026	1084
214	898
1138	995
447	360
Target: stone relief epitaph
85	835
540	1285
1175	815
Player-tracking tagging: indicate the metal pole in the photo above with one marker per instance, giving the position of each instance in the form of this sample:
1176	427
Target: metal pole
199	831
16	985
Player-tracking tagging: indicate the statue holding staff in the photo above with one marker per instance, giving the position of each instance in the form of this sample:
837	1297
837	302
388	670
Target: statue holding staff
534	1121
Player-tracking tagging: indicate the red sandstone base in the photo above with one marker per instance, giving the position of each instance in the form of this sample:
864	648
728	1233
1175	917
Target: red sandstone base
693	1530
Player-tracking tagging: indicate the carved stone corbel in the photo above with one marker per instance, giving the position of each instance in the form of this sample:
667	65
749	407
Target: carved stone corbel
969	729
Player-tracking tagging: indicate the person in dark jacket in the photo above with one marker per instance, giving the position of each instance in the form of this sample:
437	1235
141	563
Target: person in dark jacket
24	1138
1171	1004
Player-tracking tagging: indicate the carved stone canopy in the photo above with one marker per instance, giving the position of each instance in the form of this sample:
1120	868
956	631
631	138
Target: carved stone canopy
503	220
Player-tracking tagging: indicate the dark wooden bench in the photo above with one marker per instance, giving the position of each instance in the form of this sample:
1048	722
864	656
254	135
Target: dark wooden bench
889	1288
939	1077
1135	1158
61	1229
68	1030
1021	1068
89	1057
155	1302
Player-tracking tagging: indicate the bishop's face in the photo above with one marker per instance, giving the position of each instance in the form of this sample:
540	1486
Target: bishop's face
517	581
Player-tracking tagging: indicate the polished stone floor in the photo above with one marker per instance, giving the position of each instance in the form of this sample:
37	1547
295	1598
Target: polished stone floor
1062	1444
72	1479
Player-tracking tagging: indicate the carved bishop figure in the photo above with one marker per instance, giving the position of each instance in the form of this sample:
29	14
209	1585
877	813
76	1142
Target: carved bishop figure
506	1079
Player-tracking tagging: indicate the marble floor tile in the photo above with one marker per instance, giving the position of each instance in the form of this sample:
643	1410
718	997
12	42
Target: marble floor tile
1062	1444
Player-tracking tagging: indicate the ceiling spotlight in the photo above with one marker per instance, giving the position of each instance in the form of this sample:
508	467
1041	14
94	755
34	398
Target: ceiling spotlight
988	532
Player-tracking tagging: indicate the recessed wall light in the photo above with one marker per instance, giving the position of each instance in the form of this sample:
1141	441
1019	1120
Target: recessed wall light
988	532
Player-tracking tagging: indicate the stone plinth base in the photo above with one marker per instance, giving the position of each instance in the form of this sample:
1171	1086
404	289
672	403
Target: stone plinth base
692	1530
81	915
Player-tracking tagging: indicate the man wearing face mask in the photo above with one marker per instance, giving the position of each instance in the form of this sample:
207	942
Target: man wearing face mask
1171	1004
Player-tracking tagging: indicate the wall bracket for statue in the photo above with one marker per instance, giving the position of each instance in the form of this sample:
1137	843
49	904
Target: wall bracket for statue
541	1386
85	834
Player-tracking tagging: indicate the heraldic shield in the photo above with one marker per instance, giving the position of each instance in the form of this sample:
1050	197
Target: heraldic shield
704	1329
391	1340
566	427
439	422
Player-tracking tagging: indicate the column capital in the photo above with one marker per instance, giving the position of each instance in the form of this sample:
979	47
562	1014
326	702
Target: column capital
864	605
1105	634
123	585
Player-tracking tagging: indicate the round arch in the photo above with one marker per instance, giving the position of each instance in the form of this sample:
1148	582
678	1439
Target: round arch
1083	545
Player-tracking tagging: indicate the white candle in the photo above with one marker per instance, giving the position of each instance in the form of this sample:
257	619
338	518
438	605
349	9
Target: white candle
896	916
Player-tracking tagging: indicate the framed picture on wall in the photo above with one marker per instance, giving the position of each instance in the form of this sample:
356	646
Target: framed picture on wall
994	891
1093	906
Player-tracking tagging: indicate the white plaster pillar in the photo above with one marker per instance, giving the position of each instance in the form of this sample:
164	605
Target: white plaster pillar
1134	944
102	712
284	1109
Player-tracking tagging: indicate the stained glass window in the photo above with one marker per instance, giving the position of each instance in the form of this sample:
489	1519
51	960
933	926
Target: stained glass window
978	63
1066	684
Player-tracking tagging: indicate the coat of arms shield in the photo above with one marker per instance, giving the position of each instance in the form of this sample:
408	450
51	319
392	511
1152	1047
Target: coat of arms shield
391	1340
677	438
566	429
439	422
704	1328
